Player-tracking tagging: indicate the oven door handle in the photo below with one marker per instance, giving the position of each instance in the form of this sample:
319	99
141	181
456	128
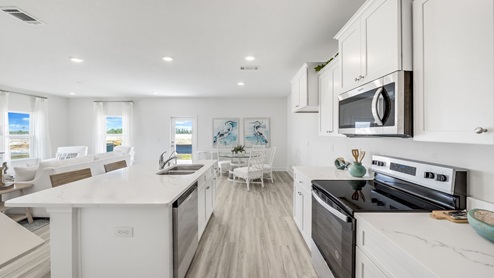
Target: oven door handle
333	211
375	114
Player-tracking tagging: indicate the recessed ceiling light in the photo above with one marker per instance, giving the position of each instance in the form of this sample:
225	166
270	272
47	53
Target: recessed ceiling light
168	59
241	83
71	94
76	60
155	93
250	58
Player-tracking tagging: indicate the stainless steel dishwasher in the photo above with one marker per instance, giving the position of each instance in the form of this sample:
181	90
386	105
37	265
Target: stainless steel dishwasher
185	231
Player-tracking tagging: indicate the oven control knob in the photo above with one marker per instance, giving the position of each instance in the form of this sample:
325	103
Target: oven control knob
441	177
429	175
380	163
380	203
374	200
374	162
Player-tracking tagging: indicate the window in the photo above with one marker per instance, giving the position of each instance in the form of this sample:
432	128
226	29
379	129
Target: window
114	132
20	135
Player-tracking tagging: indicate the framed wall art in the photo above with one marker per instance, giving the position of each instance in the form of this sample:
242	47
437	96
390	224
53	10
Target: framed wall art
225	131
257	131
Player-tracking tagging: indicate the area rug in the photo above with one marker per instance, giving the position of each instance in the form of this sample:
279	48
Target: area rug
37	223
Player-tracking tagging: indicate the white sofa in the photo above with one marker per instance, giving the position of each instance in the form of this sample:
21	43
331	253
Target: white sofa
40	175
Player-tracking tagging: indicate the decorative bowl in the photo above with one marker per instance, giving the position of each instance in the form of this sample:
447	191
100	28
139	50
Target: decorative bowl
340	163
482	221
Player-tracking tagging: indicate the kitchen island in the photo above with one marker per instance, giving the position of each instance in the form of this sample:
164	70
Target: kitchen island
118	224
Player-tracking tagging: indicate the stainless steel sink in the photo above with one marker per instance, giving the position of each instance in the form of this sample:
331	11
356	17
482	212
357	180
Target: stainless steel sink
187	167
181	169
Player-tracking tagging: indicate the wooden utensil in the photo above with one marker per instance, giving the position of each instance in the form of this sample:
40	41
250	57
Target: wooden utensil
361	156
355	154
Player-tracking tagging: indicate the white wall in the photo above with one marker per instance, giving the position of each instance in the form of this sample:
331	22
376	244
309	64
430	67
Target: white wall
307	148
152	122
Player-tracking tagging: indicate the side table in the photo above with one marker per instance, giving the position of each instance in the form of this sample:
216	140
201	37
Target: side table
16	217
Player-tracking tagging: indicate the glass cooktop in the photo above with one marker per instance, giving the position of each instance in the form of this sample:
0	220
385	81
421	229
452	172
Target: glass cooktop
370	196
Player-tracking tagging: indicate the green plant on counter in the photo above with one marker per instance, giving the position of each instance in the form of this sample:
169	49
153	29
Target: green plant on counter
321	66
238	149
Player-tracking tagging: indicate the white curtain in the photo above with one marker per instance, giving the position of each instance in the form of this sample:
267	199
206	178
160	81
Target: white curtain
127	123
4	128
99	132
41	138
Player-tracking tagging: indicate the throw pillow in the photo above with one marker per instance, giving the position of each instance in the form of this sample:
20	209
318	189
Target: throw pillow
63	156
25	173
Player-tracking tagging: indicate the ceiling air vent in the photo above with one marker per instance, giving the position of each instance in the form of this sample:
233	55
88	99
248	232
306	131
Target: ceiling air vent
249	67
21	15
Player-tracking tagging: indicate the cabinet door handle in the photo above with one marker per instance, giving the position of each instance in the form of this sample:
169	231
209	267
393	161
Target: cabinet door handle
356	79
480	130
208	187
299	181
360	77
299	193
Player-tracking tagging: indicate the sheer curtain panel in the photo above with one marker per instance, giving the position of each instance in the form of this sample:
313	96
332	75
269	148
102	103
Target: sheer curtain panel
99	132
4	144
127	123
41	138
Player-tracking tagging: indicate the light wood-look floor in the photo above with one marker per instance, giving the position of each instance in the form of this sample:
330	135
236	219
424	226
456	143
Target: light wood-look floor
35	263
251	234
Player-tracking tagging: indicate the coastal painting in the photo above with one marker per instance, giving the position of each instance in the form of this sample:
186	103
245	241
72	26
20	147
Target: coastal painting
256	131
225	131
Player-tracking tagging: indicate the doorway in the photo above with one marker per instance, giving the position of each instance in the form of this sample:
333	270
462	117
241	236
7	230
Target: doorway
184	137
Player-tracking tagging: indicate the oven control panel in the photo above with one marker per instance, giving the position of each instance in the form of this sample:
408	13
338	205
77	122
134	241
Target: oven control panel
434	176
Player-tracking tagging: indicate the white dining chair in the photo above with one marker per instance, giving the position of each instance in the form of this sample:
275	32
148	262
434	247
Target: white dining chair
268	164
253	170
224	165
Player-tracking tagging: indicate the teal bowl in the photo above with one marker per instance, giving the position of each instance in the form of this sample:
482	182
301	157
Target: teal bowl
482	221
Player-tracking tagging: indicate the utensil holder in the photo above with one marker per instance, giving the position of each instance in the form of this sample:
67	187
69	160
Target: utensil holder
357	170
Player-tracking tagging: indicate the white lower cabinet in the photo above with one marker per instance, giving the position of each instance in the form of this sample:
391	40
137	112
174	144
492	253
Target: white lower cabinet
365	268
380	257
206	198
302	206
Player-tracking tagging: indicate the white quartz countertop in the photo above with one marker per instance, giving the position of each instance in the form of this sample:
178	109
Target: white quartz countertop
137	185
329	173
447	249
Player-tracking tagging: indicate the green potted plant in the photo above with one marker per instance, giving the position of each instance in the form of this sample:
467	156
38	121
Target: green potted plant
238	149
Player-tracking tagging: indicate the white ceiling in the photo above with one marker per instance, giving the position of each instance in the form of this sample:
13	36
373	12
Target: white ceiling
123	43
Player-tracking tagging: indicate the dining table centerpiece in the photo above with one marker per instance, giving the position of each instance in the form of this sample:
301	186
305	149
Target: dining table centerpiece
238	149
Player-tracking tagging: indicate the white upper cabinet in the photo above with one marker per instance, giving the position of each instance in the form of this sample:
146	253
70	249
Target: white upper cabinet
375	42
454	71
305	89
329	80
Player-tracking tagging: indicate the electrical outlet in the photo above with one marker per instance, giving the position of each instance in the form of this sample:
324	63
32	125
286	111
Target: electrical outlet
124	231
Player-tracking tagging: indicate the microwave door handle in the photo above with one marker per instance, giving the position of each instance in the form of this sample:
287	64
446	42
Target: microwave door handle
333	211
375	103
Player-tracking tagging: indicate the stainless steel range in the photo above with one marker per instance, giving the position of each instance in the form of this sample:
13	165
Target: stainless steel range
399	185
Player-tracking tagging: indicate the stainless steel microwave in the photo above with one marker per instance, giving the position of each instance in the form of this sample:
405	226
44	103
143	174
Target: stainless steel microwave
383	107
